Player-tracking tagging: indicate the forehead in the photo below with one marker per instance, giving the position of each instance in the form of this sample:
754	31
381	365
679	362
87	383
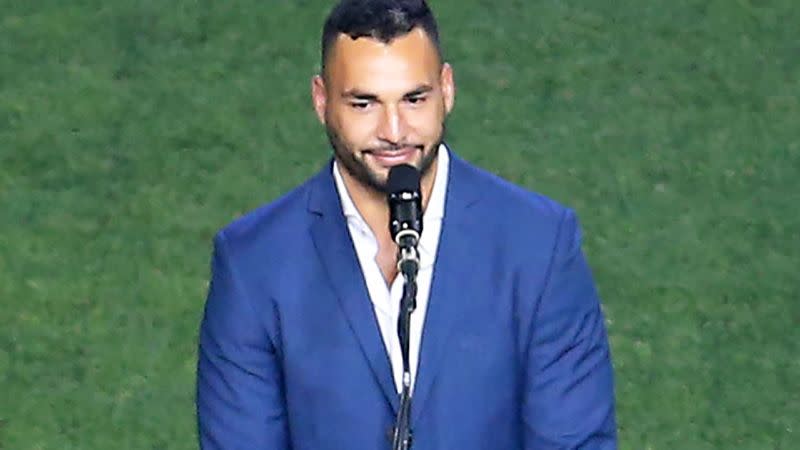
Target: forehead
366	62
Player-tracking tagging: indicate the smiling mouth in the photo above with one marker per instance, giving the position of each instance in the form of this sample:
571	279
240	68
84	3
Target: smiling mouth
393	157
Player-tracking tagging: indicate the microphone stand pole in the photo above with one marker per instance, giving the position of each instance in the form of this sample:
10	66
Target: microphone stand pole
401	438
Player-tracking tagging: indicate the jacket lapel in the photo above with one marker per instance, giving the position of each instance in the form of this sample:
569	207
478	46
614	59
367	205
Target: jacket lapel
335	249
453	273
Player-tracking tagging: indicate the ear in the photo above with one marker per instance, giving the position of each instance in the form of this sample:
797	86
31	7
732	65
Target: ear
319	97
448	87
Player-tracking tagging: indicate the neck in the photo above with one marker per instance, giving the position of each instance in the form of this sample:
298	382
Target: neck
372	205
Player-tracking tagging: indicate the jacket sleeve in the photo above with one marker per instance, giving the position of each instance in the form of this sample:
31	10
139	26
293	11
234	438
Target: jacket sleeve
240	399
569	392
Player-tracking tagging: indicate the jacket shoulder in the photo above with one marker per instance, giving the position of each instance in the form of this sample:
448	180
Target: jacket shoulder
505	201
278	221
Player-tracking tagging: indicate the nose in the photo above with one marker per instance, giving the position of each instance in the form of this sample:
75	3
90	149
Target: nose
392	127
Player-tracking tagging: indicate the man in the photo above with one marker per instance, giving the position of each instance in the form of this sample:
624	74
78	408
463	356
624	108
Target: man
298	345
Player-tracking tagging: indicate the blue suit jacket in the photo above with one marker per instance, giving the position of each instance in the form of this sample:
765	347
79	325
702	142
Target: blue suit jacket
514	353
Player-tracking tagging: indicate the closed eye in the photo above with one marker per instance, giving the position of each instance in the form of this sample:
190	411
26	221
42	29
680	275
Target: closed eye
418	95
359	100
359	104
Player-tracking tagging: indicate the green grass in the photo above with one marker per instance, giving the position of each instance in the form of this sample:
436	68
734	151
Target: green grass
131	130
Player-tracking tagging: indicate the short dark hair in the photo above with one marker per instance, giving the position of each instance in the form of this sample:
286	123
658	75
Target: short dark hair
378	19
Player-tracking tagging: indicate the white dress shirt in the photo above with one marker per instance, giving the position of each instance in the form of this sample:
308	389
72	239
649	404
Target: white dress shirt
386	299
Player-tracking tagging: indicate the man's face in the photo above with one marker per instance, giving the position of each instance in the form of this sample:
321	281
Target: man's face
384	104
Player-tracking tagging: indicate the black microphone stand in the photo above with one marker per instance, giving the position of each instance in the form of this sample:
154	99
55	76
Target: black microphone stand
401	439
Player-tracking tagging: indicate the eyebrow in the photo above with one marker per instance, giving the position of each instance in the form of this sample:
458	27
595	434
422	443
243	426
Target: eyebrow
424	89
361	95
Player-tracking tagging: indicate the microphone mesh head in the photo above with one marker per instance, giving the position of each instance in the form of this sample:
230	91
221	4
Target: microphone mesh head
403	178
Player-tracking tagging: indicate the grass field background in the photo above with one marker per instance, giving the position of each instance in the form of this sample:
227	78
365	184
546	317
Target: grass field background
131	130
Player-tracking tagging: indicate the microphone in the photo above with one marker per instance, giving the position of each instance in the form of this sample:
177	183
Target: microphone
405	215
405	225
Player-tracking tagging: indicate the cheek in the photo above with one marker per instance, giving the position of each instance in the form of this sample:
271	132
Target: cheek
359	129
427	122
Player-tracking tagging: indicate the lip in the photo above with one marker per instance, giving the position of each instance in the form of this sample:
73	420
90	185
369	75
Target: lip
388	158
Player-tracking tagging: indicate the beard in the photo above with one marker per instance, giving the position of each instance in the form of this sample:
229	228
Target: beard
360	170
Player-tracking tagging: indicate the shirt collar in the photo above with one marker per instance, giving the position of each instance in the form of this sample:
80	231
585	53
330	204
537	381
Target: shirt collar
348	207
434	211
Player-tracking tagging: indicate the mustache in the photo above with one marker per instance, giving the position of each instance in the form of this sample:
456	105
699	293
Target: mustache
393	147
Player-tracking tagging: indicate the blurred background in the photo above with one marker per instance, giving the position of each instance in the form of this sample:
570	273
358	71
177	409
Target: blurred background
130	131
